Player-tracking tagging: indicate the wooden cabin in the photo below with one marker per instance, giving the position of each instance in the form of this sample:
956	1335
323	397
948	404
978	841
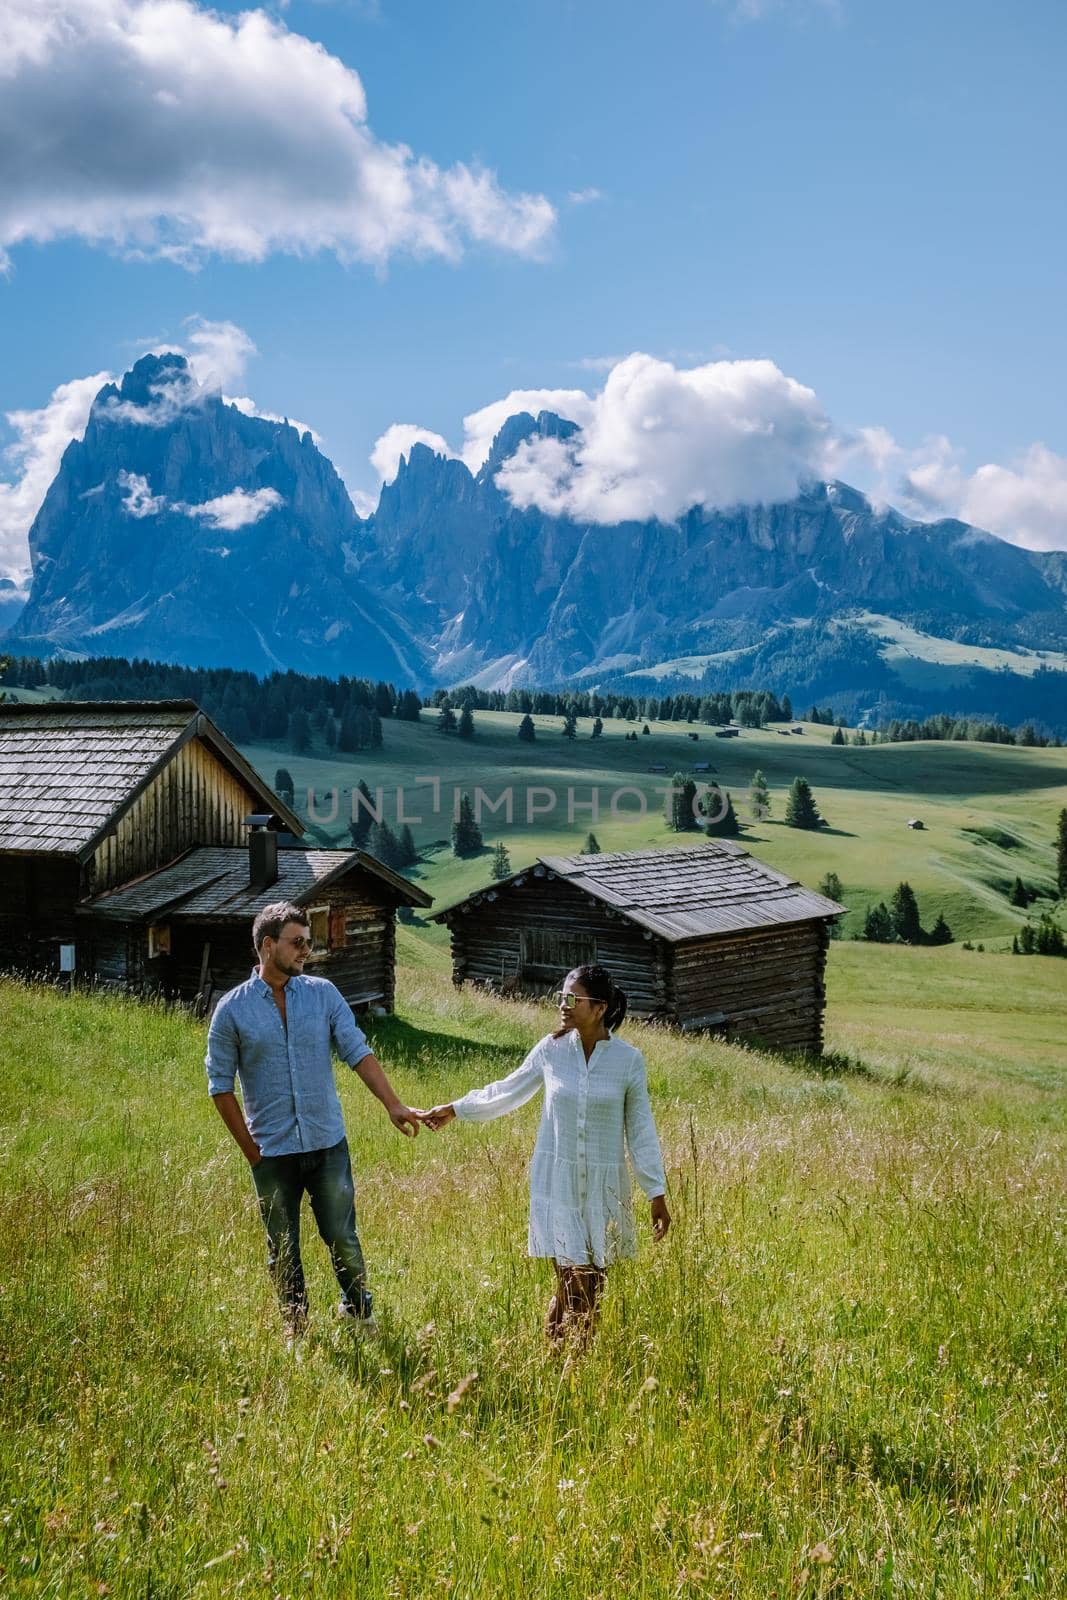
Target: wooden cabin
185	931
702	937
102	797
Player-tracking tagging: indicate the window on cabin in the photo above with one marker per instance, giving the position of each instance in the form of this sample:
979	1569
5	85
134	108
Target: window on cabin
319	923
545	953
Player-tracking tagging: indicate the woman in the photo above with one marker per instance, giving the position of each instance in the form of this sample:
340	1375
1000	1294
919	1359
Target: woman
596	1092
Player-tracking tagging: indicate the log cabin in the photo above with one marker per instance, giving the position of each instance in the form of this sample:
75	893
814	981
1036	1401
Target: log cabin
703	938
151	801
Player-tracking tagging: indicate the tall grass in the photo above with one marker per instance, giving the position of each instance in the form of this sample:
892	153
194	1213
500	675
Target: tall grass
841	1375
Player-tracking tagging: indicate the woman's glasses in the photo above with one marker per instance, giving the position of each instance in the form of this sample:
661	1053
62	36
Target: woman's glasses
568	1000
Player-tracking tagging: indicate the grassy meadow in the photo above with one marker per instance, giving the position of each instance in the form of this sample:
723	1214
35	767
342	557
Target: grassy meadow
989	811
841	1374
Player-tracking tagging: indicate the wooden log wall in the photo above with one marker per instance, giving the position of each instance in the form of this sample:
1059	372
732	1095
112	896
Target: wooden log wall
768	981
37	899
487	944
194	800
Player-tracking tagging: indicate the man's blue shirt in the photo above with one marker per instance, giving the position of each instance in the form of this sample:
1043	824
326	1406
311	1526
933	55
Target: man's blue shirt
286	1070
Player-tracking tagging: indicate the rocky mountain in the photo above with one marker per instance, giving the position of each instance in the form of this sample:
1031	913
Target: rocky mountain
181	528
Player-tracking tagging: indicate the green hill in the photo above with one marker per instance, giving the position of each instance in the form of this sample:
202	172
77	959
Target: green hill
989	811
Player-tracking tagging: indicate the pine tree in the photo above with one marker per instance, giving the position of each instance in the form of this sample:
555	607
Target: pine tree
299	732
1061	854
905	911
570	725
787	709
501	867
527	731
800	808
362	817
878	924
598	728
940	933
374	736
646	729
409	854
466	724
759	797
1019	895
1049	938
683	815
838	736
1027	940
722	820
283	783
591	847
831	887
384	845
466	834
446	718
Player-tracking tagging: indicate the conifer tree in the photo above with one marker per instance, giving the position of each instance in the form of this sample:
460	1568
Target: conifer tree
905	911
838	736
570	725
299	731
800	808
718	810
878	924
363	817
446	718
940	933
759	797
591	847
283	783
527	731
466	834
466	723
598	728
501	867
384	845
1019	895
831	887
683	813
409	854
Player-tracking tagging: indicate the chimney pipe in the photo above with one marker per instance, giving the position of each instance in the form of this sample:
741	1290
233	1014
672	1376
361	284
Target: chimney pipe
262	852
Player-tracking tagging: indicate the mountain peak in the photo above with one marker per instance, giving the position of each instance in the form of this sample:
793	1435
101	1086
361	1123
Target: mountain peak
520	427
141	385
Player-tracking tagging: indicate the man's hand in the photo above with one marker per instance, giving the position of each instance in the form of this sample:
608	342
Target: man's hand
405	1119
437	1117
661	1217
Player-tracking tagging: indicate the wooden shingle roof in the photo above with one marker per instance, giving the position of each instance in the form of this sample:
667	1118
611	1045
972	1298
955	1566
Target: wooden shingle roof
69	769
211	882
689	893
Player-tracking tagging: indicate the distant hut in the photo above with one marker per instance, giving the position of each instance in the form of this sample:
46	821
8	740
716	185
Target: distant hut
703	937
916	822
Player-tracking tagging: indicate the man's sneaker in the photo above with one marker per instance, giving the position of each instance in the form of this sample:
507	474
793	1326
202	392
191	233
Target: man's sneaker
361	1317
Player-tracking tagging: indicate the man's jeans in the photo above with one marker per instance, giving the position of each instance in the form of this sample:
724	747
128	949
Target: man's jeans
326	1175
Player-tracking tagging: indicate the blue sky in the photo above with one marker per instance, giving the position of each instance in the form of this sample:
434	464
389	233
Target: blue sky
868	194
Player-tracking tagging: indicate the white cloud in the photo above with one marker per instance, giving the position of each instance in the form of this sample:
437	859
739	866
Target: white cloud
167	130
41	438
585	197
248	408
1025	503
238	509
660	440
139	500
218	352
396	442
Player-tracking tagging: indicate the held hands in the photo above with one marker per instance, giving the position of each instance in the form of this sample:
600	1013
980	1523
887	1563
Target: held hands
661	1218
405	1119
436	1118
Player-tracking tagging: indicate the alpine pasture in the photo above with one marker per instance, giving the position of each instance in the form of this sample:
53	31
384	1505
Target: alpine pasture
841	1374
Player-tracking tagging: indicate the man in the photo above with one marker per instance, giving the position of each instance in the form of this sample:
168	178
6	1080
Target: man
275	1033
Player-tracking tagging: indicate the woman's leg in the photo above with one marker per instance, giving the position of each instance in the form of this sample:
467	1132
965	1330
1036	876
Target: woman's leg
556	1307
573	1307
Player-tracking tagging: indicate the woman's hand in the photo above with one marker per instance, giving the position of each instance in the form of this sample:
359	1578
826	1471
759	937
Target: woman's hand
661	1217
437	1117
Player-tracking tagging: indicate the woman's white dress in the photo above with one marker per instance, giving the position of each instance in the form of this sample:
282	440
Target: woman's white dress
580	1206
